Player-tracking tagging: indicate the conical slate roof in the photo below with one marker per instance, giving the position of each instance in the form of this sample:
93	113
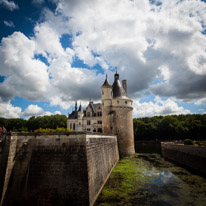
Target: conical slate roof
117	89
106	83
80	108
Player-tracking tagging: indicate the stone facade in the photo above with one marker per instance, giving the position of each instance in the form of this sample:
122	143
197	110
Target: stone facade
112	116
89	120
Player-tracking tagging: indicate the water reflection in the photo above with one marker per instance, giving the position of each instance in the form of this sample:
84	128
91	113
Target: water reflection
148	179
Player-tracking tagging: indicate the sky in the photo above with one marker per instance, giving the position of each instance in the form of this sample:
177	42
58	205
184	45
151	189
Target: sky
54	52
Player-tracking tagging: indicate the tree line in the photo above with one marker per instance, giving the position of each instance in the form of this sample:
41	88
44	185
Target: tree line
34	123
174	127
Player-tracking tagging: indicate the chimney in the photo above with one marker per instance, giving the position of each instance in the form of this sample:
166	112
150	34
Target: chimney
124	84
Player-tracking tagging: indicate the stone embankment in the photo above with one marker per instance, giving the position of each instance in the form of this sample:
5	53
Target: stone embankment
55	169
193	157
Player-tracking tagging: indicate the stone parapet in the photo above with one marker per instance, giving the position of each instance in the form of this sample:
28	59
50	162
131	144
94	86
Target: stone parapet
186	155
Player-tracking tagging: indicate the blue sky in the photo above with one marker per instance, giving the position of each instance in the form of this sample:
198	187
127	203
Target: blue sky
54	52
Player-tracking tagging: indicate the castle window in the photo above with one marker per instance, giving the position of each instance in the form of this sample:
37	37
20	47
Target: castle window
88	114
117	101
70	125
88	129
102	93
79	123
100	130
99	122
73	126
88	122
125	102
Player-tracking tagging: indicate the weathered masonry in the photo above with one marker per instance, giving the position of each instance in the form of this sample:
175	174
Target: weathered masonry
186	155
55	169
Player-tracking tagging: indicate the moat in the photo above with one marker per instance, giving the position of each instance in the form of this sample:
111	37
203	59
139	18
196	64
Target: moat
149	180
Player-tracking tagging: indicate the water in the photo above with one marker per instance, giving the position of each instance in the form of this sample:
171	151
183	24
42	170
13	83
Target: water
149	180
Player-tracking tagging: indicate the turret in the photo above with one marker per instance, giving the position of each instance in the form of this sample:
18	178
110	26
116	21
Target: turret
106	107
106	90
80	115
117	115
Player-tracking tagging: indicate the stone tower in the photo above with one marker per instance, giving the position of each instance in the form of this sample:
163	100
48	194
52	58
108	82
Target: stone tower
117	114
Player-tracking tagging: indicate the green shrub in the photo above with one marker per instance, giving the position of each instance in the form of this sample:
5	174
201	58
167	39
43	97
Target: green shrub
188	142
47	130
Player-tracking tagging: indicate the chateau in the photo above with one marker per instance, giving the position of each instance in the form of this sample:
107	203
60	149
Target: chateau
89	120
112	116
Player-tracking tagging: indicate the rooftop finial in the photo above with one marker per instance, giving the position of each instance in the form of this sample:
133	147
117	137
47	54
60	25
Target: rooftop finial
80	107
106	75
116	69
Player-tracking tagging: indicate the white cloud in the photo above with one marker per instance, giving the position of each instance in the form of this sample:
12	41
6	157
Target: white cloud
146	42
47	41
9	23
158	107
57	112
35	110
26	76
201	101
7	110
9	4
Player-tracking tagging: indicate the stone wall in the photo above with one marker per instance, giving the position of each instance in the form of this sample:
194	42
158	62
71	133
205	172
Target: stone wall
59	169
186	155
125	131
4	153
102	156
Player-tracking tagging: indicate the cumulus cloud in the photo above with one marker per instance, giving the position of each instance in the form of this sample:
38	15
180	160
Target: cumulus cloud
35	110
57	112
9	5
147	42
158	107
9	23
7	110
201	101
26	76
158	48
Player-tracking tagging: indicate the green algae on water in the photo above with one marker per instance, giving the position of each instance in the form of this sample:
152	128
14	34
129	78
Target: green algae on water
146	179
